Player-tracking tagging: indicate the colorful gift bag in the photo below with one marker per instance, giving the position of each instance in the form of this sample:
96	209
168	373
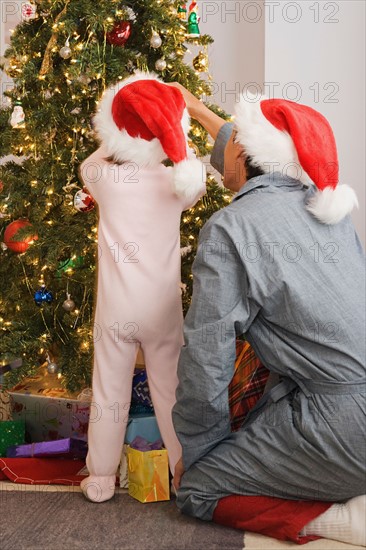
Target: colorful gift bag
247	385
123	469
11	433
148	475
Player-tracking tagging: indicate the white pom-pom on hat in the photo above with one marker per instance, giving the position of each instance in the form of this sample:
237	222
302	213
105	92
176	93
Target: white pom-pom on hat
332	205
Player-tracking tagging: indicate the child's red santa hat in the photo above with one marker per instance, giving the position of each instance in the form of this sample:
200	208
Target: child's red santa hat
145	121
283	136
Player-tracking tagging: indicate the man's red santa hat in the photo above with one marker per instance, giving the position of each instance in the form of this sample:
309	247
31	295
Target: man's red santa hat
283	136
145	121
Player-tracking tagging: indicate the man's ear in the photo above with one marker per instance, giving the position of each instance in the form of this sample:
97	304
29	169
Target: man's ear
241	157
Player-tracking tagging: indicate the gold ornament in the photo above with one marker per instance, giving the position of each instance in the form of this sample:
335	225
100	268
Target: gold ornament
13	67
194	147
200	62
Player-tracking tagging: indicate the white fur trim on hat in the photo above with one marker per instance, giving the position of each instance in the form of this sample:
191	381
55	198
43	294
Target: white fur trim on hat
189	178
118	143
331	205
269	148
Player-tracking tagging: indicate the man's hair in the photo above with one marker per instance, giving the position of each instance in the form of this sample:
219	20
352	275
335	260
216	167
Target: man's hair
252	170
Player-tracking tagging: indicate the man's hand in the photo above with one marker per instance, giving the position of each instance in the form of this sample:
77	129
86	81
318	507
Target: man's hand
178	472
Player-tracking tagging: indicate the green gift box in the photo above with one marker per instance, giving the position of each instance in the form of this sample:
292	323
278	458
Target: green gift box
11	433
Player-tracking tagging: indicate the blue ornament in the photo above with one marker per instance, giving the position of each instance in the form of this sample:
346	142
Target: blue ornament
42	296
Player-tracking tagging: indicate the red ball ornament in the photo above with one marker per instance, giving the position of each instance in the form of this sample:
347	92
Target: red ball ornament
10	236
120	33
83	201
1	186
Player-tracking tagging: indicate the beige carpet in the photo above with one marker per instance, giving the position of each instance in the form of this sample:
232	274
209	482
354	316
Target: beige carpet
250	541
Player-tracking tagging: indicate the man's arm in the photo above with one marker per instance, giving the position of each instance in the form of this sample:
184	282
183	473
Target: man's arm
219	311
217	155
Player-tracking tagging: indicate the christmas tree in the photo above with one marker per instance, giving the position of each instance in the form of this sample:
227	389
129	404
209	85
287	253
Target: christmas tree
61	58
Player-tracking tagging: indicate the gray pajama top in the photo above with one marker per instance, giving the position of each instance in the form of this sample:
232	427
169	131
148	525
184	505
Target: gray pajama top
266	268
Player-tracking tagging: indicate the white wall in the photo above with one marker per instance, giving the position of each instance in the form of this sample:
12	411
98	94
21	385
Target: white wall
325	51
237	55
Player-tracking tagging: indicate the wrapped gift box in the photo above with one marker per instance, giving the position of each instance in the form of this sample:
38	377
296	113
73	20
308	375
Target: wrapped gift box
50	412
148	474
11	433
7	364
5	413
143	425
141	400
66	448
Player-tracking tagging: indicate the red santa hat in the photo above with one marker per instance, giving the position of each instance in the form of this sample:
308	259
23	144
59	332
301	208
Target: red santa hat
283	136
143	120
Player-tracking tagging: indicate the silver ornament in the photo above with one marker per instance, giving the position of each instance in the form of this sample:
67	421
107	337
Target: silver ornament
160	65
84	79
52	368
65	51
131	15
155	41
68	305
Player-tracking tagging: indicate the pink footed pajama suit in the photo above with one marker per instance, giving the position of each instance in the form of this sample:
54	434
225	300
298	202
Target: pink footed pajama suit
138	301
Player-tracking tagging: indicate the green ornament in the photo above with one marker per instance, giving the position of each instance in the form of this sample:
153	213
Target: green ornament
64	265
193	20
182	12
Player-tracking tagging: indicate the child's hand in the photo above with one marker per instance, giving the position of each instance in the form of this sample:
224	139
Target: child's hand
194	105
178	472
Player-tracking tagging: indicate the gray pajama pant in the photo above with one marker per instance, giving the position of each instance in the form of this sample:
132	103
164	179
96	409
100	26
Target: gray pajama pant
304	440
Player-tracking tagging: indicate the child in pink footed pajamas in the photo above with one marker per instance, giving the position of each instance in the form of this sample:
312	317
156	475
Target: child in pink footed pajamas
140	122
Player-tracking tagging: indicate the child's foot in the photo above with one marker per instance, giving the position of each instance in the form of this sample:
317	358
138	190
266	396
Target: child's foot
98	488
